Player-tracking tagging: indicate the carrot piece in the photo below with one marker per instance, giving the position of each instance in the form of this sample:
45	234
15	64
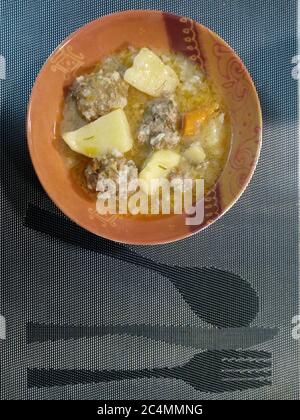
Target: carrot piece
192	119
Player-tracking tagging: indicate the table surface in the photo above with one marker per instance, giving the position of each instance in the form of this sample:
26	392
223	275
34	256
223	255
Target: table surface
49	281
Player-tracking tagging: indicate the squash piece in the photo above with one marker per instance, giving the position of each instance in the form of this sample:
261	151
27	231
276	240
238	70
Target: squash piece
150	75
157	167
193	119
101	136
195	154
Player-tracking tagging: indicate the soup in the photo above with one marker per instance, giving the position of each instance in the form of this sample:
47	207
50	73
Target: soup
142	116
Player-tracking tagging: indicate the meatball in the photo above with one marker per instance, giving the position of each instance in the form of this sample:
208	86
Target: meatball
159	125
96	94
117	169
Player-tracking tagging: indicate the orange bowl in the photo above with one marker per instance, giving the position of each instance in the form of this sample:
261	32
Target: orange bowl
157	30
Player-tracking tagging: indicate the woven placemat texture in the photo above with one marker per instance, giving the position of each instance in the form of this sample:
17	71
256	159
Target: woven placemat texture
78	289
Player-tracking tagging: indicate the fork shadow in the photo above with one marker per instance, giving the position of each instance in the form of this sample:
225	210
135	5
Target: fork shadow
208	371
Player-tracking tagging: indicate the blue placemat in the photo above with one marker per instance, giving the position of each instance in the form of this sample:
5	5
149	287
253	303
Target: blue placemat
69	308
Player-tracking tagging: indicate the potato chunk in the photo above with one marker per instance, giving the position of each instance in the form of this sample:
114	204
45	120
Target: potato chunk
195	154
100	137
157	167
150	75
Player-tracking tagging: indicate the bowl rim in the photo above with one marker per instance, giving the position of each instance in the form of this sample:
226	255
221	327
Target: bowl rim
77	221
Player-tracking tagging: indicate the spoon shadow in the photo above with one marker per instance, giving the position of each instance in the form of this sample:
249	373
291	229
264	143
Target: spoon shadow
219	297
